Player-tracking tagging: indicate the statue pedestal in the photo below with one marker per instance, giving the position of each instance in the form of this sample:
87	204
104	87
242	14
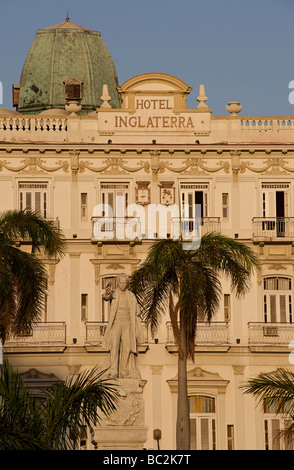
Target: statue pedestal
124	429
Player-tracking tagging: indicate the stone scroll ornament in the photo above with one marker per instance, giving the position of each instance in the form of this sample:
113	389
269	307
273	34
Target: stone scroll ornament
195	166
114	166
273	166
33	165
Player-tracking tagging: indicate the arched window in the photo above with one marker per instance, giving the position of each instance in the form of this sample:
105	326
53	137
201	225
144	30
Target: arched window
202	422
277	299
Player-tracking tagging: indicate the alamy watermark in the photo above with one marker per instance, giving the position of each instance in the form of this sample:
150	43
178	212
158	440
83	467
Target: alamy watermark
158	222
291	94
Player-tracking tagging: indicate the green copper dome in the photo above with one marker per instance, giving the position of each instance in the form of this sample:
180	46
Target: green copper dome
59	53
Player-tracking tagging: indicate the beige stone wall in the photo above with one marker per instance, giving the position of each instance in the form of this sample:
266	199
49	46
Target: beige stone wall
235	156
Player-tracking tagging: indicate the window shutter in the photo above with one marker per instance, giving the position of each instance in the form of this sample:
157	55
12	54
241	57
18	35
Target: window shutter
275	424
273	308
204	434
283	308
193	441
29	201
38	202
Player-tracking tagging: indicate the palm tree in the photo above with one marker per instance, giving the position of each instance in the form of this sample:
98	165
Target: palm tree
187	282
23	277
275	389
59	417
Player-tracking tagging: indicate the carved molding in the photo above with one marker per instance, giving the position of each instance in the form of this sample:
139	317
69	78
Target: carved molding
115	266
74	163
34	166
114	166
272	166
276	267
194	166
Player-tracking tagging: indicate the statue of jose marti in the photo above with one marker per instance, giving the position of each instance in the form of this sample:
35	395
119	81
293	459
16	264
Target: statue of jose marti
122	334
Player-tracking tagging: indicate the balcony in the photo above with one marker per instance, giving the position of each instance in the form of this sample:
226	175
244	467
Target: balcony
273	228
95	332
274	336
213	336
48	336
193	227
116	228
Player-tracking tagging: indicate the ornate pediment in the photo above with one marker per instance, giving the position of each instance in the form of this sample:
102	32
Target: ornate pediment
198	379
37	381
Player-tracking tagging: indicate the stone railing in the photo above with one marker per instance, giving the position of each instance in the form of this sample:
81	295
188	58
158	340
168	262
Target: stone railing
95	332
262	334
272	227
32	124
267	124
214	333
41	334
33	128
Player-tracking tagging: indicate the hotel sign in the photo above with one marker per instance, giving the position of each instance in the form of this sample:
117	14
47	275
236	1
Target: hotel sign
157	105
153	113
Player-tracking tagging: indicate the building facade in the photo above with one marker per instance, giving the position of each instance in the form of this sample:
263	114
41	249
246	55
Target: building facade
112	164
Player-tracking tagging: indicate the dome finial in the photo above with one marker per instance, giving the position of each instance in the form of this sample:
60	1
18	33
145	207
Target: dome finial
67	17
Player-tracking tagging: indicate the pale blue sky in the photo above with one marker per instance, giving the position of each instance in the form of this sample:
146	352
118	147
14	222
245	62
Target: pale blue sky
241	50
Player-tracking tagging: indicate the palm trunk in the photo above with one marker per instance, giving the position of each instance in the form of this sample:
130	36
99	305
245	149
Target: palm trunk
183	417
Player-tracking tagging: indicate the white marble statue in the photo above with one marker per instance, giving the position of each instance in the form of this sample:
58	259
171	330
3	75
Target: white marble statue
122	333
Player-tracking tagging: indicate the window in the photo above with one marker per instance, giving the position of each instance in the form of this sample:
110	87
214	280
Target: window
275	207
274	423
84	206
277	299
73	89
108	285
115	199
84	307
202	422
225	205
193	195
34	197
227	307
230	434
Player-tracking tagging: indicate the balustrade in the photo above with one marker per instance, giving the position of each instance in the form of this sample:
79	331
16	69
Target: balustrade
270	333
213	333
32	124
41	334
273	227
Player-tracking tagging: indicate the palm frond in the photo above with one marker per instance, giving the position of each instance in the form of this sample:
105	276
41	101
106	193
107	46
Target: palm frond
42	233
76	403
236	260
273	388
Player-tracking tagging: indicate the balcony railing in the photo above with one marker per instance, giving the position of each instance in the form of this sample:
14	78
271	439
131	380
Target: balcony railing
95	332
193	227
269	228
213	333
41	334
263	334
116	228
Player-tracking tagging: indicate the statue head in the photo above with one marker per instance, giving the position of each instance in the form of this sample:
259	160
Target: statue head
122	281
